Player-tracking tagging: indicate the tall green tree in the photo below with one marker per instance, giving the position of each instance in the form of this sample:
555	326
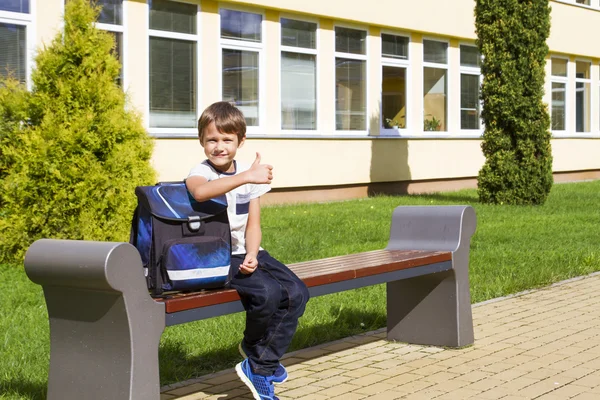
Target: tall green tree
516	143
72	151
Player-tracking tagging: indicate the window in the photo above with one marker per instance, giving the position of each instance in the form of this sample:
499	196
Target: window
394	53
586	2
470	63
241	47
111	20
558	110
298	75
435	85
15	22
350	79
173	64
582	96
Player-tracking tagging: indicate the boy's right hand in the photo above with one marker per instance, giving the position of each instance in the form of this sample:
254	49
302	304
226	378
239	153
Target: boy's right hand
260	173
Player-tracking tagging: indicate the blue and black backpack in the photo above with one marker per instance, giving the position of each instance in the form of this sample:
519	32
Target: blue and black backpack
185	245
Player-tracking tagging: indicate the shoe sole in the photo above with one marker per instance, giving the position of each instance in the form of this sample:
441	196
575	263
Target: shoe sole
247	382
243	354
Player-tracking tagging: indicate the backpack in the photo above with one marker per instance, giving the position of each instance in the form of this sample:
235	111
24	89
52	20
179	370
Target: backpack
184	245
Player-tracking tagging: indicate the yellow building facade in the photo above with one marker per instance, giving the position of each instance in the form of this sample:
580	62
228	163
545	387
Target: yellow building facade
341	98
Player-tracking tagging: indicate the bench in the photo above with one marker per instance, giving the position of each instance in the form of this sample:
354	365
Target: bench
105	328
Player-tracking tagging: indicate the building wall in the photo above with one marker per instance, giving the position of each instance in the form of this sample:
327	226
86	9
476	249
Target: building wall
328	157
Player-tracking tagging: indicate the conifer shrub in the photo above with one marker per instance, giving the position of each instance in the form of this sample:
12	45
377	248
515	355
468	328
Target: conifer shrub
72	152
516	142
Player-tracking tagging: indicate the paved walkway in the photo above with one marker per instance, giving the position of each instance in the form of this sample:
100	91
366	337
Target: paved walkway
543	344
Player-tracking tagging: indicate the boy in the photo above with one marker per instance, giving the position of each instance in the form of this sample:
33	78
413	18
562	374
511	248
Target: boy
273	296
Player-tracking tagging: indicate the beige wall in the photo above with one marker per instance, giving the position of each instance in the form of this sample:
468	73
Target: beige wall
342	162
574	30
48	26
575	154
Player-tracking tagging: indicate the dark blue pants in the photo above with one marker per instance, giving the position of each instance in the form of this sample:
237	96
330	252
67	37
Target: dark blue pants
274	298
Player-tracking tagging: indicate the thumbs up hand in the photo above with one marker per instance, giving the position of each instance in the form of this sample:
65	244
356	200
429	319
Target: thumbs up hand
259	173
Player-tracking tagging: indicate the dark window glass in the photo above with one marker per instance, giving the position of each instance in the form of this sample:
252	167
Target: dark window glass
13	54
558	105
240	25
435	52
469	101
172	83
20	6
350	41
469	57
172	16
394	46
111	12
298	33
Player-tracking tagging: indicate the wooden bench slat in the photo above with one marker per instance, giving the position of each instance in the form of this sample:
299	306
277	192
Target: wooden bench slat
368	265
356	261
320	272
353	258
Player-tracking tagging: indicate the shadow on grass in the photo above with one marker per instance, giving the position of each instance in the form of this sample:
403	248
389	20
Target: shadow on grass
22	389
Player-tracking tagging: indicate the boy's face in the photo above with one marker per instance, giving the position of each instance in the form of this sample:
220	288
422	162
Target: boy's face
220	148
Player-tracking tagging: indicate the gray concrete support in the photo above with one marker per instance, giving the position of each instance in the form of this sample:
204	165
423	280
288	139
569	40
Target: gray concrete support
432	309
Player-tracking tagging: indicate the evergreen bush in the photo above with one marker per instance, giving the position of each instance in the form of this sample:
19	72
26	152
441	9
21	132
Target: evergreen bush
516	143
72	153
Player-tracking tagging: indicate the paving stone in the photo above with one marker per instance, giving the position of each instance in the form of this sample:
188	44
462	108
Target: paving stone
544	344
375	389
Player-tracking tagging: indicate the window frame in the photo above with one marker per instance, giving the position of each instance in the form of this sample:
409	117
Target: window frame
122	29
587	108
397	63
470	71
175	132
301	50
28	21
428	64
351	56
258	47
594	4
564	80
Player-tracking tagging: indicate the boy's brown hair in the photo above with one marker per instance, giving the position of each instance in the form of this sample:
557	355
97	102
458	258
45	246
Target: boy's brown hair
227	119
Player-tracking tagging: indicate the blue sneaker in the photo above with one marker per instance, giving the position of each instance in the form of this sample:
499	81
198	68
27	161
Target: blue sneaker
280	374
261	386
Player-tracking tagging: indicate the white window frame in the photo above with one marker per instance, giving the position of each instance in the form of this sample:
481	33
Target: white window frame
588	110
469	71
260	48
398	63
26	20
124	38
301	50
428	64
175	132
564	80
351	56
594	4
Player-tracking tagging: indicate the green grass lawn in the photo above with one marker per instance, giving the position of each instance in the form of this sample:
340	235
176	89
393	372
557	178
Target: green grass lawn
513	249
